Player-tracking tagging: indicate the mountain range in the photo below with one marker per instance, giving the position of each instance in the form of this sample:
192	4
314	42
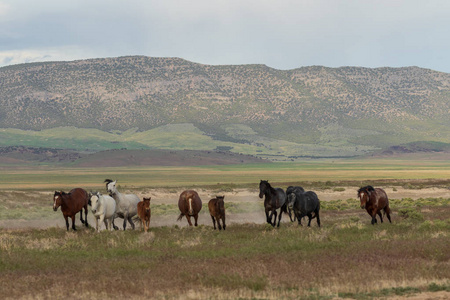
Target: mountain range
310	111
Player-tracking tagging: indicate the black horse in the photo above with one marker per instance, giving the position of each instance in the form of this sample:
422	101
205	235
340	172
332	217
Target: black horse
289	190
304	204
275	198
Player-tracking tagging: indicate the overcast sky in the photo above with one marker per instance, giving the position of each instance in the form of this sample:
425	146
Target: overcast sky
282	34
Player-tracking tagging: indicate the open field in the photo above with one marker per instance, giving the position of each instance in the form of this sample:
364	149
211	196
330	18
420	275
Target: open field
308	173
345	258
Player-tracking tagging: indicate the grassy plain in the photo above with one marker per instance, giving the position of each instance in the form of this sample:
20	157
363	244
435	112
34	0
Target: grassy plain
345	258
246	175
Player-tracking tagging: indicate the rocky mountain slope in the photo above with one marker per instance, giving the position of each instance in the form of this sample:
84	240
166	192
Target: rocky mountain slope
316	105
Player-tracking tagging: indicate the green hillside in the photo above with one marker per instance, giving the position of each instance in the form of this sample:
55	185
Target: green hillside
169	103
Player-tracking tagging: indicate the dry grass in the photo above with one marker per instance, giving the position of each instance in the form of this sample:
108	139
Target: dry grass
347	257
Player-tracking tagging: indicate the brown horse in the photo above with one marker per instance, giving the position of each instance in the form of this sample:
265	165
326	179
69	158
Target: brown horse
217	211
374	200
190	205
72	203
144	212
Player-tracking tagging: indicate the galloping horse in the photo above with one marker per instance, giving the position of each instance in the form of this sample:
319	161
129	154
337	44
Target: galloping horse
72	203
126	204
274	198
304	204
217	211
104	209
374	200
190	205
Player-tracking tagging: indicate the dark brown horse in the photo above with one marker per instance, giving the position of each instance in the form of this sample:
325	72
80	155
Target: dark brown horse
72	203
217	211
275	198
144	212
190	205
374	200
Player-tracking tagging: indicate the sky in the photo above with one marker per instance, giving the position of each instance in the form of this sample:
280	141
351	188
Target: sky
282	34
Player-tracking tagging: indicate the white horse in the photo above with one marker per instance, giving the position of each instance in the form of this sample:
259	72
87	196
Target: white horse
126	204
104	209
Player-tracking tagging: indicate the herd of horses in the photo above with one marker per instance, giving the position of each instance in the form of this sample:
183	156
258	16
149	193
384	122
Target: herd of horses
295	202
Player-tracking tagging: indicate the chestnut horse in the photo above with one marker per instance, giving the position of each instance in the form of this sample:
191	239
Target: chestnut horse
374	200
72	203
190	205
217	211
144	212
274	198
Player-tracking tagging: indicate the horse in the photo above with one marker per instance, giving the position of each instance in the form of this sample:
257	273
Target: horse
374	200
289	190
144	212
217	211
304	204
274	198
104	209
190	205
72	203
126	204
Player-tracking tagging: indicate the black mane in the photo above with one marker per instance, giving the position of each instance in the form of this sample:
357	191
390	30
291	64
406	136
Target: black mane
366	189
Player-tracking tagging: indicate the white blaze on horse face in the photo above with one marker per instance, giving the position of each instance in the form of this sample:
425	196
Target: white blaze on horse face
54	202
191	210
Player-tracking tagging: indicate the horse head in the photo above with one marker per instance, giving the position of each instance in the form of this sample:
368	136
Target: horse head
364	195
57	200
291	200
111	186
147	203
94	200
263	187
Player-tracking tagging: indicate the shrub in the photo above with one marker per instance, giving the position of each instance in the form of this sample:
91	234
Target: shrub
410	213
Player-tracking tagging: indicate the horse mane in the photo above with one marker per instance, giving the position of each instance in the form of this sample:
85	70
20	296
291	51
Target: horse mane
367	189
108	181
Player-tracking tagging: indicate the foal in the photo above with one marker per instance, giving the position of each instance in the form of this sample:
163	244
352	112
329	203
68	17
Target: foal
217	211
144	212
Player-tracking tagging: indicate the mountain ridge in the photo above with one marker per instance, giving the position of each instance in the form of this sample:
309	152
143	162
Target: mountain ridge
315	105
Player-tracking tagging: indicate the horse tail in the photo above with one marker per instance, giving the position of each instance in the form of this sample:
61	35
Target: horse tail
180	217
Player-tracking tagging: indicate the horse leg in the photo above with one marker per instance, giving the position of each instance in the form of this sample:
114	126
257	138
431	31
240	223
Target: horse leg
125	217
374	218
214	221
318	218
387	212
268	220
290	215
85	216
81	216
73	222
381	216
223	222
309	219
218	223
105	221
188	217
114	225
279	218
299	219
274	213
130	220
67	222
196	218
100	221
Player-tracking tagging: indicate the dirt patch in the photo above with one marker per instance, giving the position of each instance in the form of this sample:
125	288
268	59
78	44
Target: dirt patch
240	196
